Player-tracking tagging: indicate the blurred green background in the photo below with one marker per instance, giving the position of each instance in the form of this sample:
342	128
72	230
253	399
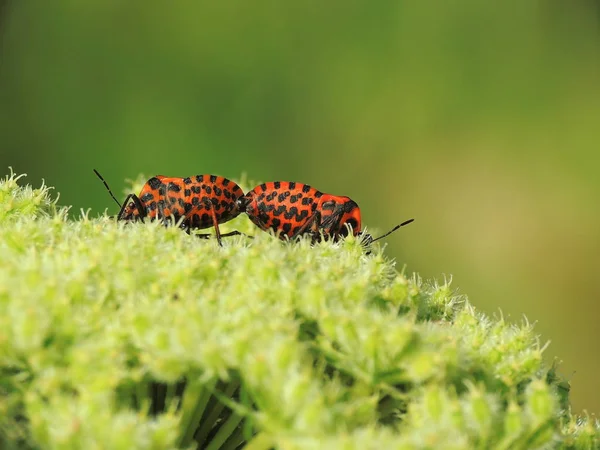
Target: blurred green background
481	122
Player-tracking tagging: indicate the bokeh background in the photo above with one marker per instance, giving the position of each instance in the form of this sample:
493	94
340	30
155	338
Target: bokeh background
481	122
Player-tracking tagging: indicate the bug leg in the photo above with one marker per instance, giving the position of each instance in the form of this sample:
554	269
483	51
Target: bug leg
332	224
138	205
161	212
235	233
313	224
231	233
120	215
213	214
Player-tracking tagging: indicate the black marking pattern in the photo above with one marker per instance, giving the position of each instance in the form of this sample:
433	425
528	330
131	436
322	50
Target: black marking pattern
291	208
190	198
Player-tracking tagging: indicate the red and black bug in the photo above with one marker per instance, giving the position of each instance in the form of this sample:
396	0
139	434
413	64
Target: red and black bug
294	209
202	201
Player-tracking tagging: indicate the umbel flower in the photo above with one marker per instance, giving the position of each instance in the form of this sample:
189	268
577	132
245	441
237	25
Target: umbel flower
140	336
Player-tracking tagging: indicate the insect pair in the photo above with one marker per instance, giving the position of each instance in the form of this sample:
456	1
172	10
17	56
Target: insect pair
288	208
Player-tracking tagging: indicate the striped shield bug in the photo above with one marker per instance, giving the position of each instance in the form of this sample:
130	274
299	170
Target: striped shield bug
201	201
295	209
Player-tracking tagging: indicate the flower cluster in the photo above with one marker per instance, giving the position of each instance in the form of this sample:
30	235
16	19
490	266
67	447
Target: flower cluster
139	336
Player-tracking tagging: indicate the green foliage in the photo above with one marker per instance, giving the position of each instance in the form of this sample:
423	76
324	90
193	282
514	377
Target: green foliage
139	336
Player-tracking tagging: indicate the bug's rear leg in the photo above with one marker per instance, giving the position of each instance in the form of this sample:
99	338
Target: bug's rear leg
312	226
231	233
334	224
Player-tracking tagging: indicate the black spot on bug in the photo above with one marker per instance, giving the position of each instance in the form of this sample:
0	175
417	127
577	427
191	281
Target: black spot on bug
276	222
151	206
195	201
279	211
293	199
187	207
207	189
196	220
199	178
225	182
350	205
271	196
262	207
291	213
187	180
307	201
281	197
306	188
318	194
224	204
213	179
263	187
263	218
173	187
295	230
147	197
218	190
181	202
214	201
292	185
196	189
205	218
353	223
303	215
343	230
277	184
154	183
286	227
226	193
187	192
173	200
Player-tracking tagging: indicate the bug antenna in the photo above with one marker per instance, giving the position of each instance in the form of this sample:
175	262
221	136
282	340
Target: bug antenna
393	229
107	188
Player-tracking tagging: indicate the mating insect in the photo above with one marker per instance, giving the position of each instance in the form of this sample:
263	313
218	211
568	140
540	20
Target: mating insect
294	209
202	201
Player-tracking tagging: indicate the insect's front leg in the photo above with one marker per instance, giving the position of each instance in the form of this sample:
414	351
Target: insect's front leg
137	203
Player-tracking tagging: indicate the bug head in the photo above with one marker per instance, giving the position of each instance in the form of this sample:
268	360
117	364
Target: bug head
243	203
249	204
368	239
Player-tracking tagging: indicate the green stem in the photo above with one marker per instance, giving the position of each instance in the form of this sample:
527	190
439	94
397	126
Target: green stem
212	417
194	403
234	440
224	432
